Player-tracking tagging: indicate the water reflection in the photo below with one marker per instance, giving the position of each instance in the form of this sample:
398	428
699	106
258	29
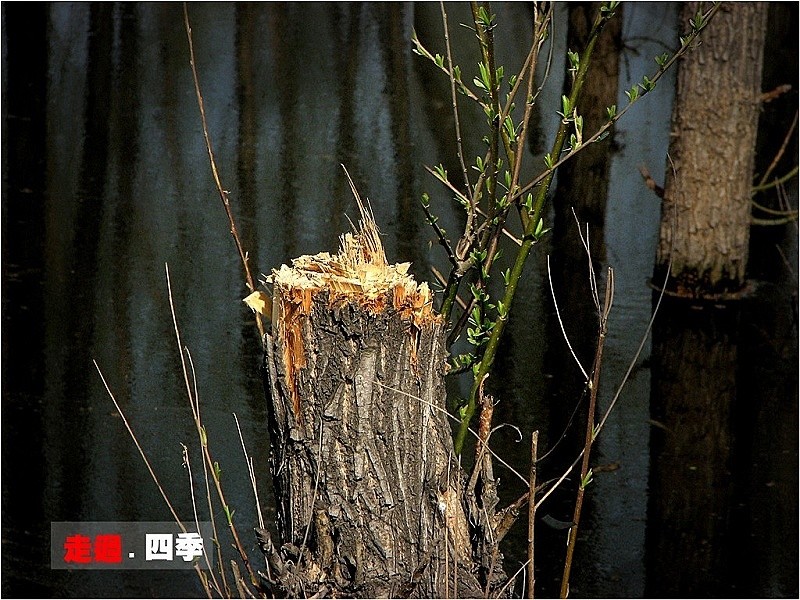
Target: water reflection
106	179
693	395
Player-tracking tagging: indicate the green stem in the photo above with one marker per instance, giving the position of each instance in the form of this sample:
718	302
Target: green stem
528	240
486	38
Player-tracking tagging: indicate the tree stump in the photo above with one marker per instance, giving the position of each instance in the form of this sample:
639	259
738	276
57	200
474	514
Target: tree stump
370	495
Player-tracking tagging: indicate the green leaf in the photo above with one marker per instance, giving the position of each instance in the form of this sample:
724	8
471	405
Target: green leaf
548	161
566	107
608	9
507	276
540	230
587	479
426	200
647	85
528	203
484	72
439	59
574	60
573	142
611	112
484	17
502	310
698	22
661	60
508	125
217	471
512	81
476	314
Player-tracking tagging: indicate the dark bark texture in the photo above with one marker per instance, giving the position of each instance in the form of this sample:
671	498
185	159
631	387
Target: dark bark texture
583	181
705	223
693	393
363	461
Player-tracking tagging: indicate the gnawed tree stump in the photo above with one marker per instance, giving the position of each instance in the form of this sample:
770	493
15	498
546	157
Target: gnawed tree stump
370	495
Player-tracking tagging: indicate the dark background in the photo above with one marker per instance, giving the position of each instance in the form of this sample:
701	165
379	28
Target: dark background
106	179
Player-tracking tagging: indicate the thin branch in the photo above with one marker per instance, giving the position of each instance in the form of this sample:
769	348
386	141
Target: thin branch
139	448
457	420
781	150
774	183
532	512
206	478
202	435
249	460
440	278
222	193
591	432
454	97
561	323
602	131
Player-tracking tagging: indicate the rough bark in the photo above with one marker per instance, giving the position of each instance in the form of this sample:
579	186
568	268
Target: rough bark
371	499
705	222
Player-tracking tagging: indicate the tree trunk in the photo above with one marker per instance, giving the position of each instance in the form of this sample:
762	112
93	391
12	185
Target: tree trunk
693	392
705	223
371	498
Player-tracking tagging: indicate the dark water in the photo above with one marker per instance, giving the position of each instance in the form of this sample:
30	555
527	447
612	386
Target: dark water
106	180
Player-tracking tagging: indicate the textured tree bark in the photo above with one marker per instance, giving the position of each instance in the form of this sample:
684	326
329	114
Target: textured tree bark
705	224
371	499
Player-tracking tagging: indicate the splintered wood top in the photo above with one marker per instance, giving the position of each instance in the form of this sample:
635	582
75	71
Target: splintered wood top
359	272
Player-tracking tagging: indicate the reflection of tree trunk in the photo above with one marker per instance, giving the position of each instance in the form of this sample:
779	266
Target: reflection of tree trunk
583	181
706	217
693	389
363	463
582	185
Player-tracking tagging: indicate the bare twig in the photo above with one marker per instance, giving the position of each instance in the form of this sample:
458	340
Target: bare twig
226	203
249	460
591	431
206	479
532	513
774	93
650	182
139	448
188	466
146	462
561	323
454	98
202	436
780	152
